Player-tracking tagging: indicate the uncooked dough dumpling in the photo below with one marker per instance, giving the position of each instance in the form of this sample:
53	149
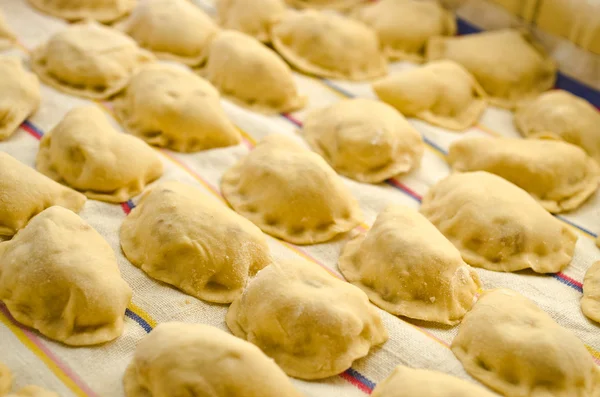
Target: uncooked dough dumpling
180	237
512	346
561	115
560	176
59	276
172	107
394	21
408	268
176	30
105	11
442	93
213	363
25	192
255	18
88	60
590	303
508	64
7	36
20	95
497	225
290	193
6	379
251	74
312	324
324	4
33	391
409	382
364	139
329	45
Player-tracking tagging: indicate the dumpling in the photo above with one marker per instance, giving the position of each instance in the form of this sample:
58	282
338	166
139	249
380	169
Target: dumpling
25	193
59	276
85	152
408	382
561	115
497	225
332	4
176	30
214	361
105	11
590	303
290	193
253	18
508	64
169	106
33	391
20	95
558	175
408	268
394	21
181	238
512	346
236	59
329	45
364	139
312	324
6	379
7	37
442	93
88	60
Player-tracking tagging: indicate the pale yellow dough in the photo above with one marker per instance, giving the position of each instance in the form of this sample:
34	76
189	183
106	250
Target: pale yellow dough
590	302
179	359
508	64
33	391
88	60
290	193
340	5
401	37
409	382
25	192
408	268
560	176
255	18
329	45
105	11
169	106
85	152
59	276
175	30
364	139
20	95
511	345
561	115
442	93
6	379
312	324
235	60
497	225
179	236
7	36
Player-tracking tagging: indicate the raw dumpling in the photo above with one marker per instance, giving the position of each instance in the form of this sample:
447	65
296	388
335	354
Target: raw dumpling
6	379
329	45
312	324
176	30
408	268
59	276
511	345
507	63
20	95
7	37
561	115
33	391
251	74
85	152
181	238
170	106
364	139
255	18
590	303
290	193
214	363
25	193
497	225
442	93
394	21
88	60
332	4
104	11
408	382
558	175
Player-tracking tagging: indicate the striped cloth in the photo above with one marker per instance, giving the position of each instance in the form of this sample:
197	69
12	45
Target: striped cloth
98	371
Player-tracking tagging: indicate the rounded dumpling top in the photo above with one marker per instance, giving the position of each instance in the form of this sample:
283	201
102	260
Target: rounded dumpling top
254	18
